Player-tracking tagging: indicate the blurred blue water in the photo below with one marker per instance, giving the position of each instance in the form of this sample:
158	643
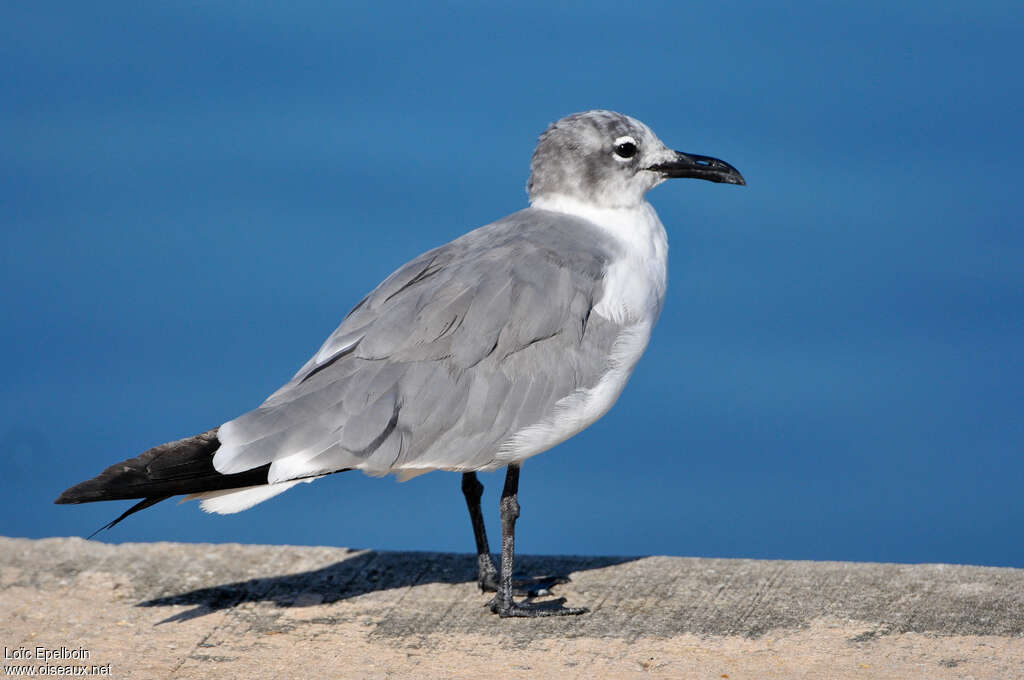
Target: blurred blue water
192	197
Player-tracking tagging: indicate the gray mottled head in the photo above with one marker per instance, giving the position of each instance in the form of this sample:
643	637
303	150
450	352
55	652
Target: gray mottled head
611	160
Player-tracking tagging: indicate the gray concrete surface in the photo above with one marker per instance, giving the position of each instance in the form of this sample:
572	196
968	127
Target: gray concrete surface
169	610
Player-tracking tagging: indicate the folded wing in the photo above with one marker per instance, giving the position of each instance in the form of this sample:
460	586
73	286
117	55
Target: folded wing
448	358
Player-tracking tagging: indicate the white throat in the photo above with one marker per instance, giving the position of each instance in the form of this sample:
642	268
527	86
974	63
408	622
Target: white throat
635	283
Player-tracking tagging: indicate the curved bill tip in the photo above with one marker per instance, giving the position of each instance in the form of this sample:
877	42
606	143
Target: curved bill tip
700	167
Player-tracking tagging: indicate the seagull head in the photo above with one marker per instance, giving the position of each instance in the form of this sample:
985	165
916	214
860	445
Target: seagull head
611	160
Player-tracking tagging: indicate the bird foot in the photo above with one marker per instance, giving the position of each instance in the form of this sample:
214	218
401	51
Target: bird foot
538	586
533	610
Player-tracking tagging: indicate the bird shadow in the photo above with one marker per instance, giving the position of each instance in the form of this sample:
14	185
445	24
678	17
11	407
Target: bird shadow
364	572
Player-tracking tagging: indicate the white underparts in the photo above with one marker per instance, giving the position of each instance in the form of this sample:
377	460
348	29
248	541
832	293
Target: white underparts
582	407
634	289
634	285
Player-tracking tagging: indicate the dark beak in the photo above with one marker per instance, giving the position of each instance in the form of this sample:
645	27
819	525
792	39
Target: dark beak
701	167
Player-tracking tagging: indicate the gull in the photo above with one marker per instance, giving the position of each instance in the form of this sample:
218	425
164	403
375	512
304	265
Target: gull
473	356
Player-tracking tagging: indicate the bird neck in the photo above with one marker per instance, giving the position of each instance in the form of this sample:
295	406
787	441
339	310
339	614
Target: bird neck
636	227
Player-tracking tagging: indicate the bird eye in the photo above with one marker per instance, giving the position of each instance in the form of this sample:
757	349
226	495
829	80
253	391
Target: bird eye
625	147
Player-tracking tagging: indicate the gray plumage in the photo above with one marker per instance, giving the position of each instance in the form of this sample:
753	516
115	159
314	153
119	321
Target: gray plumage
477	354
574	158
446	360
471	343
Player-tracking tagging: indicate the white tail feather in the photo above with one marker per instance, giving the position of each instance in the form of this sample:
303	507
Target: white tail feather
229	501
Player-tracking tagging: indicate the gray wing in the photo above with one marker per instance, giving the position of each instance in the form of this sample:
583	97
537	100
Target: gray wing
447	359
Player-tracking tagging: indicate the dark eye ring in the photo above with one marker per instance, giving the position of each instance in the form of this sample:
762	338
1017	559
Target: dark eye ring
625	150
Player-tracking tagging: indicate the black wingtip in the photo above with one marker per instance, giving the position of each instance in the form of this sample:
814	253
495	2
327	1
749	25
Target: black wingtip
70	496
89	491
182	466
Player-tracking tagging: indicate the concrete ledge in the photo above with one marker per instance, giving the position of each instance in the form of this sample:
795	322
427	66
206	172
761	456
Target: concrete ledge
168	610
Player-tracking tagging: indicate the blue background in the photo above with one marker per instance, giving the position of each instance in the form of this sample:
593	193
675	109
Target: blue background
194	194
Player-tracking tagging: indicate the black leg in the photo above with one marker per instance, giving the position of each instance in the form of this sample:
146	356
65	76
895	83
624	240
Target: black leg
503	605
509	515
472	489
487	573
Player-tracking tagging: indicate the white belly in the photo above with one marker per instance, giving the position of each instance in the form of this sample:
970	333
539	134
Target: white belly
580	409
634	289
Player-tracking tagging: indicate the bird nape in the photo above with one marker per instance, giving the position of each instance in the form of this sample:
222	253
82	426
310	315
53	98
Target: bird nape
473	356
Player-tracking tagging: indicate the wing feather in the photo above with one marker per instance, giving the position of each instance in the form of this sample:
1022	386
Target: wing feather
446	360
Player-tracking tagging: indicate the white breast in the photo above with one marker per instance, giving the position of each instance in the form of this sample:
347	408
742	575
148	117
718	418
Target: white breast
634	287
634	290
